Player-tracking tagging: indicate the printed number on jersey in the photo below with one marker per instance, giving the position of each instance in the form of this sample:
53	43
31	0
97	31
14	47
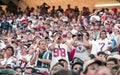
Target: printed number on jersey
22	63
102	45
59	52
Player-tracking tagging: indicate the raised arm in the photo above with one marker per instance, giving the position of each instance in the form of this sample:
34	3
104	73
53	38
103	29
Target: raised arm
86	43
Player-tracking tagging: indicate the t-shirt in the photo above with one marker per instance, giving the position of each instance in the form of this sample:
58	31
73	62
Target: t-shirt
9	61
2	44
44	55
104	44
22	63
5	25
81	52
94	47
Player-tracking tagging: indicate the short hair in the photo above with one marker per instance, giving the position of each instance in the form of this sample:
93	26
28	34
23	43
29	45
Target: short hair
104	67
76	63
113	59
11	49
42	41
92	56
58	63
115	68
103	53
63	60
103	31
54	69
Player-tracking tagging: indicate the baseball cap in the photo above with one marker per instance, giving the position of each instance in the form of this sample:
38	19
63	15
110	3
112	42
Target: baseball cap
114	56
24	46
89	62
81	64
7	71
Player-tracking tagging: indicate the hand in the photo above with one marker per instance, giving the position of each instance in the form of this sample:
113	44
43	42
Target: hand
24	59
38	59
36	52
56	37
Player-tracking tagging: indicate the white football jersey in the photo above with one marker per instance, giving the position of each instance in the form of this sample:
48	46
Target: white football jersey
94	47
21	63
103	45
60	52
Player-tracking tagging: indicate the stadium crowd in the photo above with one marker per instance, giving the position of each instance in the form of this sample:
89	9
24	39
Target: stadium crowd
60	42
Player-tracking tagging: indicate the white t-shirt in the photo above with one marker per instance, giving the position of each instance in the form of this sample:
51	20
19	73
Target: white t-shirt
94	47
9	61
103	45
96	17
21	63
2	44
81	52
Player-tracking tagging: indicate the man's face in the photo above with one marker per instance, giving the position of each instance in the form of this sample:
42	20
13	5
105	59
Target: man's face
107	26
92	69
101	57
43	45
103	71
102	35
9	51
19	71
110	64
96	28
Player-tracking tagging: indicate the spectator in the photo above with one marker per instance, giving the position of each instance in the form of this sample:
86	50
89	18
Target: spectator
18	70
53	11
58	66
23	58
77	67
90	67
76	11
42	57
60	9
41	40
63	72
104	70
64	62
59	49
102	56
111	62
9	59
44	9
5	26
69	11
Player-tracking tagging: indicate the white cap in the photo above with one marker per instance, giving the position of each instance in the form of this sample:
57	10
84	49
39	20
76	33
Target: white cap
74	32
114	56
